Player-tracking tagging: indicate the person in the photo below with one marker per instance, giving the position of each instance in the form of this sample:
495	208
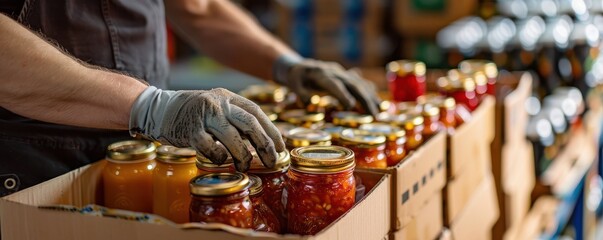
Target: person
77	74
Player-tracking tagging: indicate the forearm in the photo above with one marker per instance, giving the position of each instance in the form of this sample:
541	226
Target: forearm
41	82
223	31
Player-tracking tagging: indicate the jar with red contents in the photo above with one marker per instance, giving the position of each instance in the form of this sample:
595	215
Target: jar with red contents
273	182
413	125
463	91
431	117
221	198
394	145
351	119
321	187
487	67
479	78
204	165
301	137
368	148
264	219
302	118
406	80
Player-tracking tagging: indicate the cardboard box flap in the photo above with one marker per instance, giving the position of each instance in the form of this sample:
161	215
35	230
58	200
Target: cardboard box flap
517	167
425	225
515	114
476	221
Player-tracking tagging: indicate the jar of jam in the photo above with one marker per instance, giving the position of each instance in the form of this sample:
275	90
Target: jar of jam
351	119
174	170
406	80
301	118
368	148
321	187
413	124
264	219
204	165
335	132
431	117
487	67
394	145
128	176
221	198
265	93
273	181
463	91
301	137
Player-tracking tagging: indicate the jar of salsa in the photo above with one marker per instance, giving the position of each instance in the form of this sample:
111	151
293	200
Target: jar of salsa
462	91
413	124
128	176
351	119
431	117
221	198
406	80
204	165
301	118
447	108
264	219
273	181
265	93
321	187
174	170
394	145
368	148
487	67
301	137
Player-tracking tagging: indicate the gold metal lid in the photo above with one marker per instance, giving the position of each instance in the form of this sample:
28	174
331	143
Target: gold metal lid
351	119
131	150
386	117
322	159
430	98
404	67
385	106
474	65
362	137
480	78
204	162
171	154
409	107
265	93
449	84
391	132
328	101
335	131
282	163
284	127
255	185
300	116
430	110
270	111
411	121
219	184
300	137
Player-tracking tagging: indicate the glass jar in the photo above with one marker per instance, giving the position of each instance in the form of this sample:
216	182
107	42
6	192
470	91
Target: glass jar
264	219
174	169
478	77
487	67
273	181
394	145
351	119
463	91
301	118
205	165
321	187
368	148
301	137
413	125
431	117
335	132
284	128
265	93
406	80
409	107
128	176
221	198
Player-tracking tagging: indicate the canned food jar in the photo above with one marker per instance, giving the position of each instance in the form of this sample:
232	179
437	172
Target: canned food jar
447	108
284	128
368	148
413	125
409	107
301	137
431	117
320	189
264	219
301	118
479	78
394	145
351	119
462	91
273	181
205	165
221	198
265	94
406	80
174	169
487	67
324	104
335	132
128	175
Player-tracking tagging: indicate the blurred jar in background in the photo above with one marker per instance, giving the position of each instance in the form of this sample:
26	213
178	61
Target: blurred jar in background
264	219
395	140
302	118
406	80
302	137
368	148
205	165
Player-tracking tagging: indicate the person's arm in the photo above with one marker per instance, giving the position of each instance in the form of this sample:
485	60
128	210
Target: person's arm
40	82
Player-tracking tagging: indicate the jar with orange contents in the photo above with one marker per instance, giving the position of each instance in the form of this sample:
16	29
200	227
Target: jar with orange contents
487	67
301	137
351	119
204	165
273	182
302	118
128	176
321	187
462	91
264	219
368	148
413	125
447	108
394	145
221	198
173	172
431	117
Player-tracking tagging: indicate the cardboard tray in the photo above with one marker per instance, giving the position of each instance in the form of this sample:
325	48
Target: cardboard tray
22	219
427	224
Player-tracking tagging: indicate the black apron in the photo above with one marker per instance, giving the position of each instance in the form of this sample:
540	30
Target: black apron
124	35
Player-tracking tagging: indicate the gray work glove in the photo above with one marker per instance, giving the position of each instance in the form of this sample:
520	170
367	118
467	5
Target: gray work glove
306	75
197	118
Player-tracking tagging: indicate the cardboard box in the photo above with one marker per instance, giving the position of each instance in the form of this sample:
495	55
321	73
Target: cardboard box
518	182
414	22
23	220
476	220
427	224
541	218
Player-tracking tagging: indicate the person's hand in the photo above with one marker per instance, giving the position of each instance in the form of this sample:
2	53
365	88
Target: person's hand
198	118
306	75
